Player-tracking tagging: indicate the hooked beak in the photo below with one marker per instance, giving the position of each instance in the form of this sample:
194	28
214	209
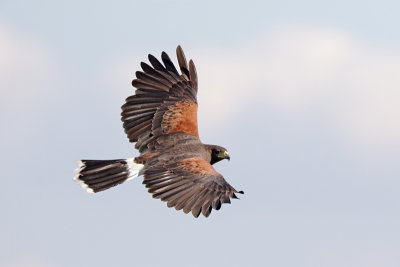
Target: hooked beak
226	156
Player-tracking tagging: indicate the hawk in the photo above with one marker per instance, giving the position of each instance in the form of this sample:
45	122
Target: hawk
161	118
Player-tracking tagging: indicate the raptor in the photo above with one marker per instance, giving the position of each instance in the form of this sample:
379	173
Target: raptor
161	118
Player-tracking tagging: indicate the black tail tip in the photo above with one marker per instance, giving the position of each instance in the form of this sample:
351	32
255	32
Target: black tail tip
82	166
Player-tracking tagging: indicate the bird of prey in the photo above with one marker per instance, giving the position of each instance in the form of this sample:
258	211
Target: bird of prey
161	118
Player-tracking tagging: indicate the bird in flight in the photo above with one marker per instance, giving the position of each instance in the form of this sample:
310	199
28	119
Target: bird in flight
161	118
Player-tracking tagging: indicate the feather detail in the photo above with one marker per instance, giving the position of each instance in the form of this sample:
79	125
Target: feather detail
182	63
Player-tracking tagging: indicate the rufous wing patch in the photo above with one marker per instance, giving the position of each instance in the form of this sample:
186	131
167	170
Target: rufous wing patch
181	117
199	166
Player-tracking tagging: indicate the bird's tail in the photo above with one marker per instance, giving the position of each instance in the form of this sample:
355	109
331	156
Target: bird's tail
99	175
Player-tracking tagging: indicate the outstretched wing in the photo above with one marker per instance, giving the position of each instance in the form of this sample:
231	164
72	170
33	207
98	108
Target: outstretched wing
191	184
165	101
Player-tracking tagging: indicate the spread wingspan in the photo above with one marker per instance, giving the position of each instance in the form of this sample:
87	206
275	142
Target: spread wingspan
161	117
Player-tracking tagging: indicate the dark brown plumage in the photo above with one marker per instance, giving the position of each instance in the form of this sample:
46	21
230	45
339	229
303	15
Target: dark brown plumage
161	117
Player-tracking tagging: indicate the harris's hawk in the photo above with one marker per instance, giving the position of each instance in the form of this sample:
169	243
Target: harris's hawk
161	118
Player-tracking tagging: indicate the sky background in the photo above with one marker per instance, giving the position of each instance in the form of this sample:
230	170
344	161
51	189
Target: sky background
304	94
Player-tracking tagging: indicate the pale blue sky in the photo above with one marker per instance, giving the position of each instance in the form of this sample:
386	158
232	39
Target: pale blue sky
304	94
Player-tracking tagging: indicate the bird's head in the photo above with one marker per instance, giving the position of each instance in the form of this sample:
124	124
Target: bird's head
218	153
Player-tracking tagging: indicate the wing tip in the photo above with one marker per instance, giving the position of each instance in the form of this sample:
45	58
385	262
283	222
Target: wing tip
179	48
